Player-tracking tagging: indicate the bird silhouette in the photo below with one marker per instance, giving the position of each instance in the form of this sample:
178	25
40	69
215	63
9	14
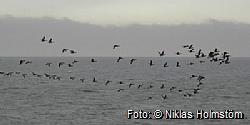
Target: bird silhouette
178	64
178	53
43	39
115	46
93	60
165	64
48	64
21	61
64	50
164	96
61	63
132	60
119	58
162	53
82	80
51	40
151	63
72	51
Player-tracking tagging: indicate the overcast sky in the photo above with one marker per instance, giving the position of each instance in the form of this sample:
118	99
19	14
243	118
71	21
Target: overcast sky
141	27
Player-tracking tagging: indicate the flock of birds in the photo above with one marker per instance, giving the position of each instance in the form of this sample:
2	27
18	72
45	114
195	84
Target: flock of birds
213	56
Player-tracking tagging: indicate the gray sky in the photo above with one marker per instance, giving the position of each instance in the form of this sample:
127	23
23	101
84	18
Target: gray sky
141	27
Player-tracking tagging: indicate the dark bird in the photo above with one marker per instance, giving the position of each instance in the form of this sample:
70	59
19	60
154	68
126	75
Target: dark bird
72	52
51	40
47	75
151	63
94	79
72	78
191	47
34	74
39	76
191	63
48	64
216	50
161	53
166	64
120	90
192	76
130	84
82	80
24	75
162	86
202	61
115	46
70	65
191	50
139	86
185	46
121	82
164	96
119	58
150	86
58	78
107	82
178	53
132	60
21	61
61	63
93	60
64	50
178	64
75	61
172	88
200	77
43	39
149	97
28	62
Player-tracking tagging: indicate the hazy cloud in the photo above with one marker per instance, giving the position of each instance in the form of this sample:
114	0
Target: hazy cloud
21	37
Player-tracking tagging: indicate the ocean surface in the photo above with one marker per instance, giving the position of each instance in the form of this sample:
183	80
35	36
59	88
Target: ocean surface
42	100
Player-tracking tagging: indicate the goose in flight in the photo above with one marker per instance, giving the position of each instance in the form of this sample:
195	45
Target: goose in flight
165	64
75	61
28	62
72	52
48	64
61	63
162	53
150	97
164	96
107	82
51	40
162	86
21	61
119	58
132	60
82	80
178	64
43	39
93	60
120	90
130	84
151	63
72	78
64	50
115	46
24	75
139	86
70	65
94	79
178	53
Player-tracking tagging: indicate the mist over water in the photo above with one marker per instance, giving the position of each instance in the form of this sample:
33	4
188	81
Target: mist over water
33	100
